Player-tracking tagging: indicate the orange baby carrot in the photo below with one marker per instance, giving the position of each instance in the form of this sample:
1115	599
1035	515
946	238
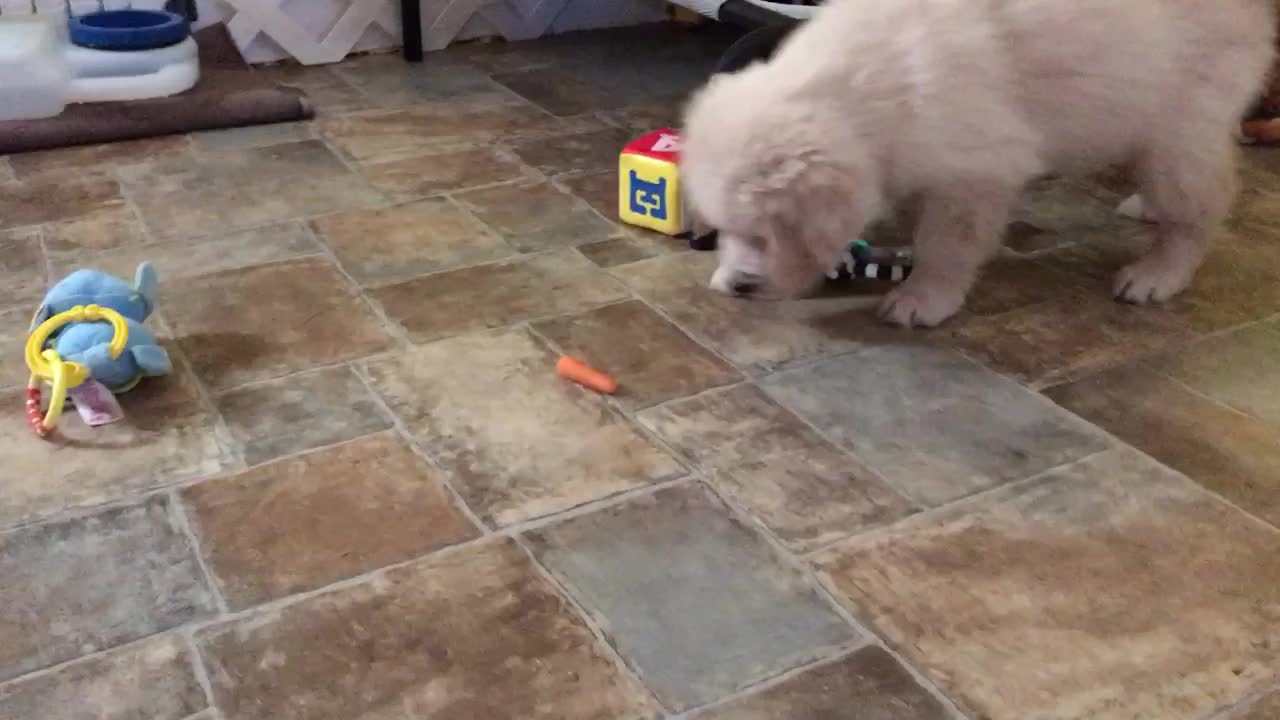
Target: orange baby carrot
574	369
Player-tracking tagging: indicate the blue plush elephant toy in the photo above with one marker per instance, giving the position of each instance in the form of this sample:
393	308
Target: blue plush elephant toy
87	343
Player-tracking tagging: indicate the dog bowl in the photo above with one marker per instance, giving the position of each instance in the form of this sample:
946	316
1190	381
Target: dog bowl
127	30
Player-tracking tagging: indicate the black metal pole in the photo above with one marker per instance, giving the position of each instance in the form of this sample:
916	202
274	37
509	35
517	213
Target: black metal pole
411	24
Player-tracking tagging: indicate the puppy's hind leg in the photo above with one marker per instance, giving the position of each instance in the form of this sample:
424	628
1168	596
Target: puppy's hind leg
959	229
1186	187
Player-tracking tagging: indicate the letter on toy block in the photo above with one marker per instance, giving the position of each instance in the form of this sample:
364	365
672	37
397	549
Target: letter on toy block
649	183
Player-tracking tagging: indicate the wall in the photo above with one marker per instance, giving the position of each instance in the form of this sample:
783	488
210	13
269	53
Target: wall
317	16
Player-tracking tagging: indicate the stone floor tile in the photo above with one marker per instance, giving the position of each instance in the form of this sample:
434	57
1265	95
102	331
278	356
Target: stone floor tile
149	680
535	216
1112	588
75	587
518	441
180	259
328	92
618	250
599	189
496	295
245	188
302	523
1239	369
50	198
866	685
476	633
23	270
1266	708
254	136
239	326
98	159
1067	337
652	359
414	177
6	170
1232	454
300	412
1010	283
112	227
758	335
698	602
15	325
386	245
586	152
805	490
157	444
936	426
1239	282
640	120
1057	213
389	82
386	135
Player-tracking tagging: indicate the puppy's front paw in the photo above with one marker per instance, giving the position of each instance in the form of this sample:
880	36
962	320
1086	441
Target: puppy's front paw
919	304
1151	279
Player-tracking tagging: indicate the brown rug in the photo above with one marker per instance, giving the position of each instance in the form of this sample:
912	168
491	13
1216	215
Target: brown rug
229	94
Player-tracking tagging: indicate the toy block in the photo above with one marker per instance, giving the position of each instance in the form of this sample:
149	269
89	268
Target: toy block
649	183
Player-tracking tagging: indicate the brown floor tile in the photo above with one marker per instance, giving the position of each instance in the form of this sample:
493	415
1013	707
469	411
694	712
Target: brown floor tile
1232	454
300	412
1239	282
75	587
303	523
1239	369
157	444
640	120
936	426
239	326
599	189
99	159
586	152
387	245
324	89
676	579
648	76
866	685
253	136
1058	213
470	634
619	250
396	134
111	227
389	82
415	177
755	334
180	259
1009	283
15	325
536	216
1072	597
491	296
1067	337
23	270
519	441
804	489
52	198
6	170
151	680
245	188
649	357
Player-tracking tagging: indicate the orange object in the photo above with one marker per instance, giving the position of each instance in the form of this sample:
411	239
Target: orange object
574	369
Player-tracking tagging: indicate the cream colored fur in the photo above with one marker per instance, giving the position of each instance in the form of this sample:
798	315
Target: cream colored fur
960	103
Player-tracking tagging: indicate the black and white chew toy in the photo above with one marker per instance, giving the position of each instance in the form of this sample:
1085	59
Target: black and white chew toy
861	260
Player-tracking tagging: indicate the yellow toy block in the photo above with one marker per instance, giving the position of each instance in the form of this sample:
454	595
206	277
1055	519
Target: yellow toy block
649	183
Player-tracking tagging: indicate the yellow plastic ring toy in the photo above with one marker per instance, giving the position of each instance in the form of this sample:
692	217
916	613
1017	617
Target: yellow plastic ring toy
47	367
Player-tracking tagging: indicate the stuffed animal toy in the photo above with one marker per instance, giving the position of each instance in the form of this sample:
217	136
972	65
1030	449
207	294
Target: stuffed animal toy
87	341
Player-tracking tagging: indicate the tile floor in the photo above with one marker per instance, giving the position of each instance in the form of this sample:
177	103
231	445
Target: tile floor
364	494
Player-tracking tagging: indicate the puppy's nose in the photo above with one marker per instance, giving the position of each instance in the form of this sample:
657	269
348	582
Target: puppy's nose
745	284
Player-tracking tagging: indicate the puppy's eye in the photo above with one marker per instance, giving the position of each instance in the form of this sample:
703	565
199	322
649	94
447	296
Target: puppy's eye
757	243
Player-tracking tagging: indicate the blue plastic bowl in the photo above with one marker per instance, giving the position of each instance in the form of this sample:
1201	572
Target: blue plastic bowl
129	29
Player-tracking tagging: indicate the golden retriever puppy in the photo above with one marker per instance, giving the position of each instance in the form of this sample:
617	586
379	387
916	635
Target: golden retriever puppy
958	104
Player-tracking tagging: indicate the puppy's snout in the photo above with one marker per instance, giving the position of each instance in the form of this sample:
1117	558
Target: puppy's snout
746	284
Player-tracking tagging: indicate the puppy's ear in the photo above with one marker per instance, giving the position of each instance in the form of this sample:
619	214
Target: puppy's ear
814	208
